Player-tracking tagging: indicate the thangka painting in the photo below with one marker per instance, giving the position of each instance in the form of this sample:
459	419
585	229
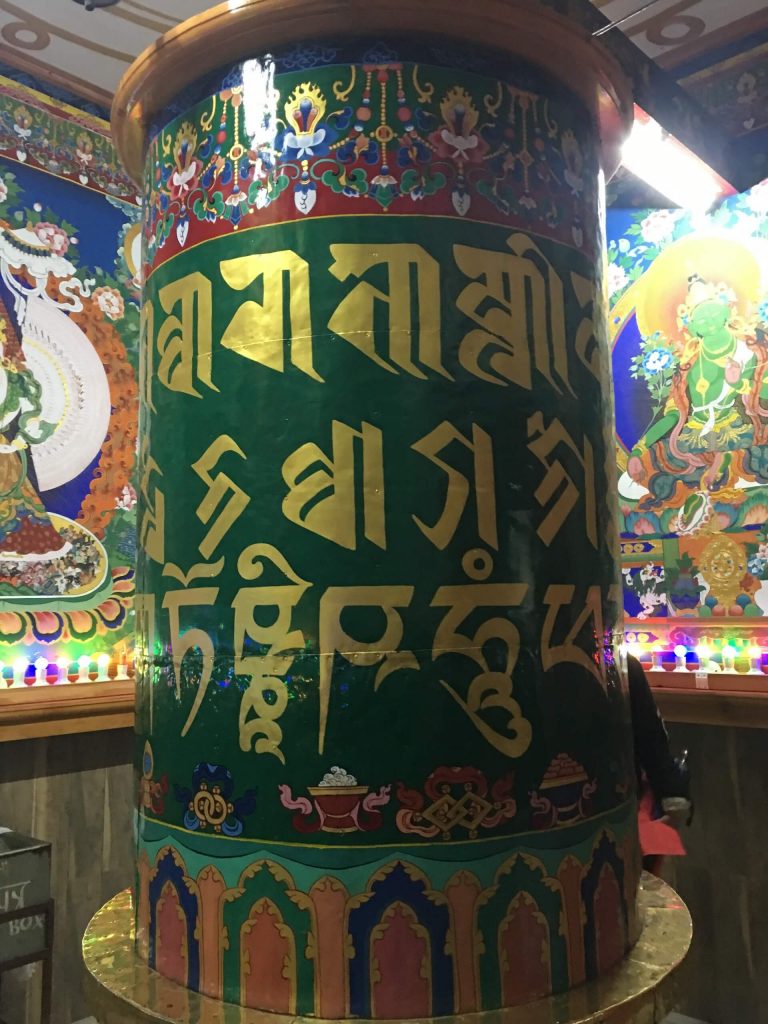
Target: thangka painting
69	326
689	332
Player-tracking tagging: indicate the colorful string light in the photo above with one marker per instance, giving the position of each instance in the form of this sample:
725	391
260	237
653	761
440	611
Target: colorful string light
730	656
43	670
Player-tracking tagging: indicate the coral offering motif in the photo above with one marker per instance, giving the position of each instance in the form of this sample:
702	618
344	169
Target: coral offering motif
336	804
455	799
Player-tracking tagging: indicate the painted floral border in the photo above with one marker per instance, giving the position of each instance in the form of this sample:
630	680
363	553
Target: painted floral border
54	137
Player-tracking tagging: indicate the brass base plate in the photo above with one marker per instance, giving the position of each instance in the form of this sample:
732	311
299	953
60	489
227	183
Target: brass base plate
124	990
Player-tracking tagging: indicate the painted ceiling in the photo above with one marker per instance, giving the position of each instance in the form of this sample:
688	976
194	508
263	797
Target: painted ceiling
90	50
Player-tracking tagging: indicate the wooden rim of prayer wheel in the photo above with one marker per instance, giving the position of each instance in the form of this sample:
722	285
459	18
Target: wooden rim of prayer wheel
235	31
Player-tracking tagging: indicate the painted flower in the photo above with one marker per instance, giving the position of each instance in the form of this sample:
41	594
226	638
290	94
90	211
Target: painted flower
658	226
458	139
187	166
657	360
617	278
383	180
757	566
126	499
22	122
84	148
307	134
757	198
3	191
53	236
110	302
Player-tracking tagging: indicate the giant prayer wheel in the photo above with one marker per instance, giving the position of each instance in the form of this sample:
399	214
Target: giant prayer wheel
384	754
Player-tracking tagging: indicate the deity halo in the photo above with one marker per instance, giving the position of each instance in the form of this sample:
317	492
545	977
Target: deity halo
717	259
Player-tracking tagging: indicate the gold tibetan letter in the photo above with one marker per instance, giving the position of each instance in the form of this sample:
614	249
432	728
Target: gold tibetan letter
411	306
184	342
182	642
266	697
458	487
334	517
558	597
220	488
334	638
517	302
489	691
152	518
557	483
260	330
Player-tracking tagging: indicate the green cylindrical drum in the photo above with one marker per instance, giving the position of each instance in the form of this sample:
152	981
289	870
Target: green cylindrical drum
385	759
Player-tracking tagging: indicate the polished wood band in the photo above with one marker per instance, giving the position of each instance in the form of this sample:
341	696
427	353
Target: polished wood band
247	28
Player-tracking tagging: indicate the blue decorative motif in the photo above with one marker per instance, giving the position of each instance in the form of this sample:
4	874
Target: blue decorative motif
210	804
399	884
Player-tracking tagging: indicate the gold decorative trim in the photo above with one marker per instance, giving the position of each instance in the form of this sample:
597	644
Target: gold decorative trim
122	989
231	32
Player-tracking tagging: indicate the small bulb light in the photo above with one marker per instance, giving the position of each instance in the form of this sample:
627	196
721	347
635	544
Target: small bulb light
680	651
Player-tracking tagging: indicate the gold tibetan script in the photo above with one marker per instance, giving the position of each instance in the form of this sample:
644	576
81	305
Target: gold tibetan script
516	299
266	697
184	641
260	331
559	599
184	342
458	487
489	691
220	489
383	651
586	343
152	519
334	516
557	489
411	306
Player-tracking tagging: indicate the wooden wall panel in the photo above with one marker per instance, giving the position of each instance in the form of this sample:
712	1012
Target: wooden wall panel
77	792
723	879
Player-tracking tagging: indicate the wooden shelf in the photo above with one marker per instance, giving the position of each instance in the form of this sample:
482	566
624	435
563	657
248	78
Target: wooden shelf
95	707
67	708
713	707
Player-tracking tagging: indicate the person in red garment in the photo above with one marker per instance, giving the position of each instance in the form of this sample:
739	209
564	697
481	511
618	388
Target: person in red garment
663	781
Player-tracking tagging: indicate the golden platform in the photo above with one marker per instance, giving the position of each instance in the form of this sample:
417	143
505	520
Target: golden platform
122	989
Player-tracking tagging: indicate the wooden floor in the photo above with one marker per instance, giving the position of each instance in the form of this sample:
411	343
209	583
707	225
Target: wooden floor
77	792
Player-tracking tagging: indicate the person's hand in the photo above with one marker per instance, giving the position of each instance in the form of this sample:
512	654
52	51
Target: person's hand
677	811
